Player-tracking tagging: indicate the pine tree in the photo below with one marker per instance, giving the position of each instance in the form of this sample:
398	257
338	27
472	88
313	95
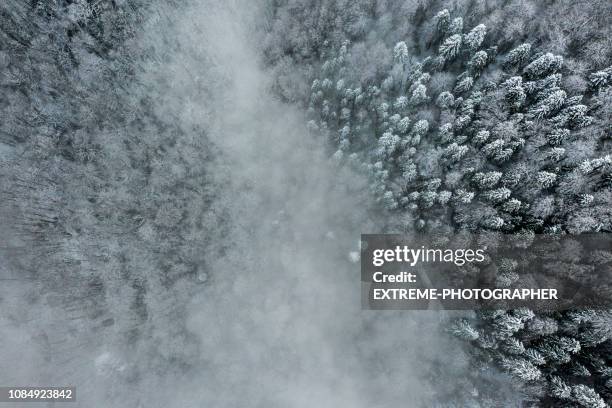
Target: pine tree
400	52
518	56
475	37
450	47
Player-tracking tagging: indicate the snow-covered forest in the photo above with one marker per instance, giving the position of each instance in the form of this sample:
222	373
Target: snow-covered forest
182	184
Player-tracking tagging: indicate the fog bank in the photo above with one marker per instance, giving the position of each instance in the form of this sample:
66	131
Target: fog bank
270	313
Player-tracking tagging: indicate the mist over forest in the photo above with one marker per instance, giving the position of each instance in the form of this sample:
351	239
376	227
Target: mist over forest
183	185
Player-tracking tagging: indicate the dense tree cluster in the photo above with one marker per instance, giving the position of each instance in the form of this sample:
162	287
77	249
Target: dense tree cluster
458	131
99	185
